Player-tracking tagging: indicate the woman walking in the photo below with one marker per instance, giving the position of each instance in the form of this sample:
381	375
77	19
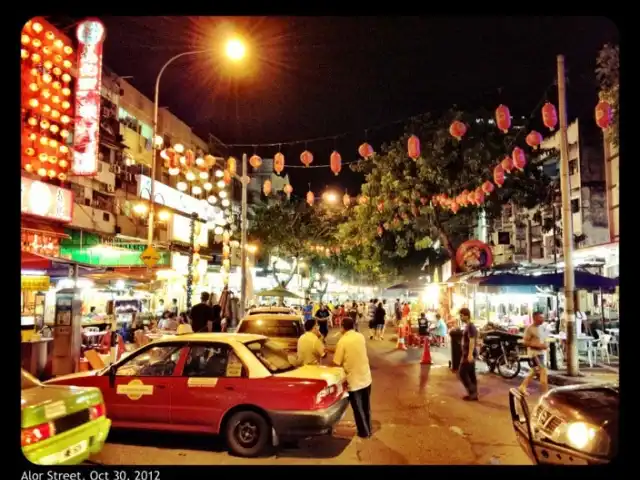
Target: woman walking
378	320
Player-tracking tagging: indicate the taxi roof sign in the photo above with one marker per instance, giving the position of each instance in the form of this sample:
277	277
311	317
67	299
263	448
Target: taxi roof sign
150	256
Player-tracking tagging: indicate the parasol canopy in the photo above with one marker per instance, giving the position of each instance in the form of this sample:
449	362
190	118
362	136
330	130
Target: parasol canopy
278	291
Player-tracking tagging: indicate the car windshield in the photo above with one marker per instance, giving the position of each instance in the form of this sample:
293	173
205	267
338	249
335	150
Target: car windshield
271	356
271	328
28	381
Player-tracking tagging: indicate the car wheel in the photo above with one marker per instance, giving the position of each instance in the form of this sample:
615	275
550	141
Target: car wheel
247	433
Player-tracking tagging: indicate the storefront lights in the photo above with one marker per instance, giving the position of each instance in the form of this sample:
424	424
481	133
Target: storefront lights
190	176
222	194
218	230
212	200
207	186
164	215
140	208
226	203
219	173
221	184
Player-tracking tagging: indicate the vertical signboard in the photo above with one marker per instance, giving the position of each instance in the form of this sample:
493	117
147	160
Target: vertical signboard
90	35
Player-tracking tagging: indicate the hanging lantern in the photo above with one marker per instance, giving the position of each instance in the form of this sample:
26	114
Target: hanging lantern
346	200
190	158
534	139
498	175
503	118
380	206
479	196
487	187
455	207
603	114
306	158
232	165
209	160
457	130
288	189
335	161
363	199
549	116
465	198
413	147
226	177
507	164
365	150
310	198
519	158
266	187
278	162
471	198
255	161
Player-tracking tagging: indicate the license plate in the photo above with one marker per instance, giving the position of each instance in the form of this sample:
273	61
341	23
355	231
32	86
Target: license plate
66	454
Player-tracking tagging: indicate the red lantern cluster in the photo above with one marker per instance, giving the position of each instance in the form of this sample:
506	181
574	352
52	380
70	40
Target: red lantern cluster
498	175
534	139
46	63
519	158
457	130
503	118
507	164
604	115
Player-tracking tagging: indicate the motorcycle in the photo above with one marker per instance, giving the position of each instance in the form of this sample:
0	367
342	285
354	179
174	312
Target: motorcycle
501	350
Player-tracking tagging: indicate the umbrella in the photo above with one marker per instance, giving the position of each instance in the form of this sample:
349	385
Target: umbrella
583	281
278	291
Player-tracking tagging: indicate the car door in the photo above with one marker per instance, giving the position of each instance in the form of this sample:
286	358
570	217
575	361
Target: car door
140	392
207	387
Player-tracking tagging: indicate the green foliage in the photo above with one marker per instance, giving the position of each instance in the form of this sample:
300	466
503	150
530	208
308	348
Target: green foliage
608	75
403	188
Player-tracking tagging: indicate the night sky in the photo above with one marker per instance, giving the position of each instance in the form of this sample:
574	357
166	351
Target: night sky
309	77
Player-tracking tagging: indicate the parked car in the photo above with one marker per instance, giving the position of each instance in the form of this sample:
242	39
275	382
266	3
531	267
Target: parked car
240	386
574	425
283	329
61	425
272	310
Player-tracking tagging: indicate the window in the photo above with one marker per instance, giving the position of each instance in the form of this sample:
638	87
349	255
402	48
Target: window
272	328
213	361
105	216
146	131
157	361
575	205
271	356
573	167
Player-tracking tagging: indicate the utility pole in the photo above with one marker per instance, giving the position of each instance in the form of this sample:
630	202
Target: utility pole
567	225
243	240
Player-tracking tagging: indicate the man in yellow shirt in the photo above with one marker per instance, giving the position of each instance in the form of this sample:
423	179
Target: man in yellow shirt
310	346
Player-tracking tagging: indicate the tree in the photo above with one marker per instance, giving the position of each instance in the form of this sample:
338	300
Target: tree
608	75
399	219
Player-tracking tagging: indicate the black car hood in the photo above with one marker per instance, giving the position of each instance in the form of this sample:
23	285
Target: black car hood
595	404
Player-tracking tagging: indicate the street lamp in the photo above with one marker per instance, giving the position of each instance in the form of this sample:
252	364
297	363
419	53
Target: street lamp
330	197
235	51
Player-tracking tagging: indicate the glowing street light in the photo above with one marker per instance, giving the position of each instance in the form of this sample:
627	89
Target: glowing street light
330	197
235	49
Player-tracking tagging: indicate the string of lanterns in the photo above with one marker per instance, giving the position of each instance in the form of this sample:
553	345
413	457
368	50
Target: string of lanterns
46	63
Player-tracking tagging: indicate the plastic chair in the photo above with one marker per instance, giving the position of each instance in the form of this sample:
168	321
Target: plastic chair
602	347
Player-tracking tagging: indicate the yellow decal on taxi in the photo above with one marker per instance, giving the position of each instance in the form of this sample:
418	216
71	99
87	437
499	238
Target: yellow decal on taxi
202	382
135	389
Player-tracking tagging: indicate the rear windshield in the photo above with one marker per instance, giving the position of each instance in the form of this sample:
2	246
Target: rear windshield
271	328
271	356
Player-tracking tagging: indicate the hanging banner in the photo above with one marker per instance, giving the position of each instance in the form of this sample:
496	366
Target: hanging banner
90	34
473	255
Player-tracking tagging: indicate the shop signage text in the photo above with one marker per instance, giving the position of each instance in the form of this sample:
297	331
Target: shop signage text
45	200
175	199
38	283
90	34
473	255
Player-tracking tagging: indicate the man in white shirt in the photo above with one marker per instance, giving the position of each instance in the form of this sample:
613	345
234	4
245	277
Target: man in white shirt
310	346
534	339
351	354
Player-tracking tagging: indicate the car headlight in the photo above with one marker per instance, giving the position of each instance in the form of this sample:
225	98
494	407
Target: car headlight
585	438
580	434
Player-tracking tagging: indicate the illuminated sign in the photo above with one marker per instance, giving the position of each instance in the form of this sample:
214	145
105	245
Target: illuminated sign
473	255
181	231
176	199
37	283
45	200
180	263
90	35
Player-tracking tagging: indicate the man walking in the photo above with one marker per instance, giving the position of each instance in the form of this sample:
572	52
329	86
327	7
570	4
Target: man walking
371	317
534	340
351	355
398	310
310	347
467	370
201	314
324	317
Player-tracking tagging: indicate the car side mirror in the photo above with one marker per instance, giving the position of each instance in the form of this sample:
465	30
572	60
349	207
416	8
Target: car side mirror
112	376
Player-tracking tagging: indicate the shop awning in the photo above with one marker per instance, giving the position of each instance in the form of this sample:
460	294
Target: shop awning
132	274
507	279
43	228
55	267
462	277
411	286
583	281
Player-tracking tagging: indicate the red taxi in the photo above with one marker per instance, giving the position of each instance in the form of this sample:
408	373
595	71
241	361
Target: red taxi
241	386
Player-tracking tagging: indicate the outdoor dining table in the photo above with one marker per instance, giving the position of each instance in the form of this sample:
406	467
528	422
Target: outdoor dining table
585	340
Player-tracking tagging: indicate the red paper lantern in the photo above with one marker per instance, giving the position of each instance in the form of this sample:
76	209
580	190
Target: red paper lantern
190	159
471	198
255	161
210	160
365	150
503	118
381	206
479	196
534	139
549	116
310	198
266	187
278	162
455	207
288	189
487	187
232	165
306	158
226	177
507	164
519	158
346	200
498	175
335	160
604	115
413	147
457	130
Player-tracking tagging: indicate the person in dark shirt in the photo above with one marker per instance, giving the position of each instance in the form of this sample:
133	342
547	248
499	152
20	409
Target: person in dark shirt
467	370
423	326
216	326
323	314
201	314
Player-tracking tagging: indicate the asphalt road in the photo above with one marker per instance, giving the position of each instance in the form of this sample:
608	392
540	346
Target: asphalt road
418	414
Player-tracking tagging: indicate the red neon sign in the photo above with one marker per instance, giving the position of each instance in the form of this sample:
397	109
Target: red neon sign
90	34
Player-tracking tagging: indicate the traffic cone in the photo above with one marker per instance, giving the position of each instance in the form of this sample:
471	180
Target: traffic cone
426	354
400	345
